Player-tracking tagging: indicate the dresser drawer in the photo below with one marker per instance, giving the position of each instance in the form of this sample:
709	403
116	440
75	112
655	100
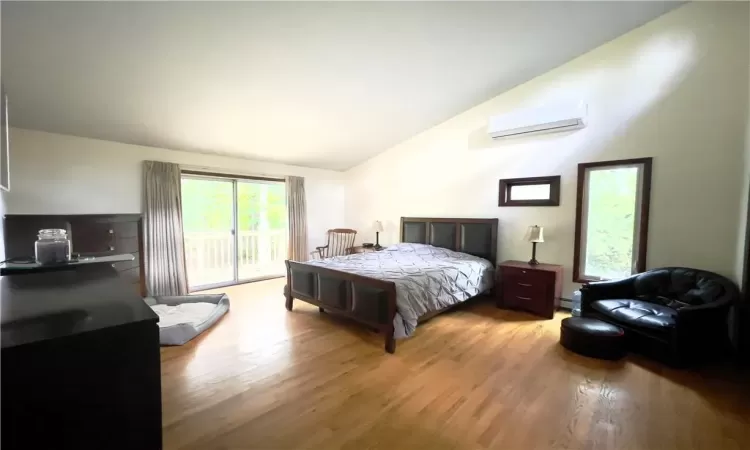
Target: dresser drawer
125	230
92	236
125	245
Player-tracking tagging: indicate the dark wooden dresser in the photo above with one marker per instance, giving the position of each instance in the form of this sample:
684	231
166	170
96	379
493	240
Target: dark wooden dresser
535	289
80	362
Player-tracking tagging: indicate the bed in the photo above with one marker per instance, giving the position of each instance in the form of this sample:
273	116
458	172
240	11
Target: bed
440	263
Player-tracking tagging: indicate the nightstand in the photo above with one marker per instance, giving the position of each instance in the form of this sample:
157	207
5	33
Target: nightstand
535	289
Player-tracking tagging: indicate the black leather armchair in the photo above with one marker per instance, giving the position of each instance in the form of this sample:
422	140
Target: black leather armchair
676	314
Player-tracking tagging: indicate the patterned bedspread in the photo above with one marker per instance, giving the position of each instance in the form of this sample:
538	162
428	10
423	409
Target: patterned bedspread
427	278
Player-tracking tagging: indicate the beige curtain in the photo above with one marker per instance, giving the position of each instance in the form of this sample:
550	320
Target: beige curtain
163	245
297	211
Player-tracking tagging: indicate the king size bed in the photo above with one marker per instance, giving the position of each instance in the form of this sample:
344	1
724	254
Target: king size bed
440	263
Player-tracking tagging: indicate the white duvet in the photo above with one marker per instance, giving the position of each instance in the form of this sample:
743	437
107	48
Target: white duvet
187	313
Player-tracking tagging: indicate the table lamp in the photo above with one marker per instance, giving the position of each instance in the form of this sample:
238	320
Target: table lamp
534	234
378	226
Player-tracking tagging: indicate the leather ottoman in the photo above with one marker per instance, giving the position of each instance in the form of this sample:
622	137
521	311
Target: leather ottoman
592	337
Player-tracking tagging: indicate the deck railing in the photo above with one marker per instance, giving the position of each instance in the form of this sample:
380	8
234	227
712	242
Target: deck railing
210	256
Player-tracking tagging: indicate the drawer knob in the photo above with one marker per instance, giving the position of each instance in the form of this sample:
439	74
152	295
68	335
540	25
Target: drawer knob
523	271
111	248
111	231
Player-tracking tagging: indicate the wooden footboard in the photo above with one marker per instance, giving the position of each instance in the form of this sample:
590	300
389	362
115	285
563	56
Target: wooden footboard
366	300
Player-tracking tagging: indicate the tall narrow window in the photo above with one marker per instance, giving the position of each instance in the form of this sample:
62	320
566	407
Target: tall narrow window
611	219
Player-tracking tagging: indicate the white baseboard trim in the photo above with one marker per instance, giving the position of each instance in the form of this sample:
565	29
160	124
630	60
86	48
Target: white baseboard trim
566	303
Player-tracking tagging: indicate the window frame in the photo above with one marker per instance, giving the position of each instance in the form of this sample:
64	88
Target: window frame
641	234
235	180
507	184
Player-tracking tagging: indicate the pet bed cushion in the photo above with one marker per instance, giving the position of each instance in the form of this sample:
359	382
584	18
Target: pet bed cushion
182	318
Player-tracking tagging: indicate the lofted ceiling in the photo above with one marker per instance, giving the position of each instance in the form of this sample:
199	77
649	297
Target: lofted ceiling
325	85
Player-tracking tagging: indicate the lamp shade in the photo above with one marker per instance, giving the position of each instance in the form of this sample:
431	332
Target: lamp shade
535	233
378	226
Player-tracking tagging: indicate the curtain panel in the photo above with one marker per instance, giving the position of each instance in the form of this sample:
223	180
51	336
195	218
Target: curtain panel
163	243
297	211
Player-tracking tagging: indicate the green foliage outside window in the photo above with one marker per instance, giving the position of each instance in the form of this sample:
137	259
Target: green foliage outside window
207	205
610	224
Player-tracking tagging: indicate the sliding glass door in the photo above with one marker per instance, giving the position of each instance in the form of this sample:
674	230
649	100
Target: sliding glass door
235	229
261	241
208	228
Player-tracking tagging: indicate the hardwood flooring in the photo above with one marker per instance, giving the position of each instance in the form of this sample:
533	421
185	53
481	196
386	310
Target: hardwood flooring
475	378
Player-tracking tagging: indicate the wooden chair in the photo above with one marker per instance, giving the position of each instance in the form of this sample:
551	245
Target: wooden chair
340	242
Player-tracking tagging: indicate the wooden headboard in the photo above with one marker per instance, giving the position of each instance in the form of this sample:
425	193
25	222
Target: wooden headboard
476	237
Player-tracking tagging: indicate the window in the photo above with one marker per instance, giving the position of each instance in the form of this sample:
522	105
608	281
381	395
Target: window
537	191
611	219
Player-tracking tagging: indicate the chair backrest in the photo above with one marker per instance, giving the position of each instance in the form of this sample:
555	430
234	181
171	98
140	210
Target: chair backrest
685	286
340	241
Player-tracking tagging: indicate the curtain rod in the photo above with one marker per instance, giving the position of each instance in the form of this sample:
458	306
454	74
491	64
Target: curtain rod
230	175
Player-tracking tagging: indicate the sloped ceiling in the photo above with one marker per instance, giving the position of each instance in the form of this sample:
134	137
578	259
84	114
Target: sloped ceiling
324	85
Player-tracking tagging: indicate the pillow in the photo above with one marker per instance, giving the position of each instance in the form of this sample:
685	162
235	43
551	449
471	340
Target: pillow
406	247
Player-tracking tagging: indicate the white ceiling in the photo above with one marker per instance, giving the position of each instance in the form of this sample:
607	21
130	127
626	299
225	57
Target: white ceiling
324	85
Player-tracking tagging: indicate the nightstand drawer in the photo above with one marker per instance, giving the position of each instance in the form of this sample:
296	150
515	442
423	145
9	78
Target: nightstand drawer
522	300
518	288
527	276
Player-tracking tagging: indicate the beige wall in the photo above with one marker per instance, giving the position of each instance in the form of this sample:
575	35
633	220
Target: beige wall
2	193
742	223
675	89
59	174
741	229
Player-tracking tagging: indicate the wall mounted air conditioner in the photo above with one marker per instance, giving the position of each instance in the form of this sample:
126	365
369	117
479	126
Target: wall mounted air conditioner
544	119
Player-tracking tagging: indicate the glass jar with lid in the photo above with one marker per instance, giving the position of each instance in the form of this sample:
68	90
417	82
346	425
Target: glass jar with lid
52	246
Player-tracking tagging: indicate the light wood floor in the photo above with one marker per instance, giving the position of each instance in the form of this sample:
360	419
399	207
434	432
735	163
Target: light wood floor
475	378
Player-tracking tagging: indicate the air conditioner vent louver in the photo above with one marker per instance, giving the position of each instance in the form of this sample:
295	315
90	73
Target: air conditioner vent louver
545	119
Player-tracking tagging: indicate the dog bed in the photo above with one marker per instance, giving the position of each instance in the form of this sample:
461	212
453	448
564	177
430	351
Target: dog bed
182	318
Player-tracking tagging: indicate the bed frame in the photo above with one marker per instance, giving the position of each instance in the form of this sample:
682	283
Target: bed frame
371	301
